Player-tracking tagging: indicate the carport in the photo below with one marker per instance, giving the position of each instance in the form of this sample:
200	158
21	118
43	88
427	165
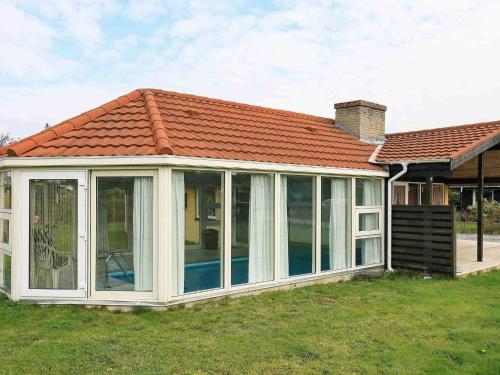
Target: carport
466	154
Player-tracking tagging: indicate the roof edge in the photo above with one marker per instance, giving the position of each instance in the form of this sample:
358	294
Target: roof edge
159	132
475	144
64	127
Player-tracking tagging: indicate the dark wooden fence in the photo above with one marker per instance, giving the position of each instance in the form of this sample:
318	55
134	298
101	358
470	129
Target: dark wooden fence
424	237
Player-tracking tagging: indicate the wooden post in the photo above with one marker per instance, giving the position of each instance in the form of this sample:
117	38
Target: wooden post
428	191
479	197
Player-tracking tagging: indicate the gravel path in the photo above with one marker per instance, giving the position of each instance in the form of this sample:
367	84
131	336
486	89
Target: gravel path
486	237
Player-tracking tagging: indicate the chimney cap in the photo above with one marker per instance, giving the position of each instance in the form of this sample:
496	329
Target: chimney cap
360	103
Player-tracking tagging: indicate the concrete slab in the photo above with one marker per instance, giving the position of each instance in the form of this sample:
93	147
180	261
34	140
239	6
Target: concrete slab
466	257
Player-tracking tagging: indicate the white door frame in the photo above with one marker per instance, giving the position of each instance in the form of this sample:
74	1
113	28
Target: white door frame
81	288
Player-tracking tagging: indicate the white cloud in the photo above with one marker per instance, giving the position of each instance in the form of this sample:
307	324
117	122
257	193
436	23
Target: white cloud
432	63
25	46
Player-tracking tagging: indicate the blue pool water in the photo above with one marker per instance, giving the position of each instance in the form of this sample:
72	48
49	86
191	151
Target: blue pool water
207	275
202	276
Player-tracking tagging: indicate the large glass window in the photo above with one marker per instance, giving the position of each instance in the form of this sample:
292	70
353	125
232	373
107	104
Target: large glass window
5	190
252	229
53	234
413	194
197	231
297	225
369	228
368	221
124	245
5	272
4	232
398	194
368	192
336	222
368	251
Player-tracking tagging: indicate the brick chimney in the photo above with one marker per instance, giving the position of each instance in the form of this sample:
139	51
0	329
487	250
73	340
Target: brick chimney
365	120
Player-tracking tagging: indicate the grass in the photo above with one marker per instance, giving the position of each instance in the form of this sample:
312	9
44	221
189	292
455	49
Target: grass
399	324
471	228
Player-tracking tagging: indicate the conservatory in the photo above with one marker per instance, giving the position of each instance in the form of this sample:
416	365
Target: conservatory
160	198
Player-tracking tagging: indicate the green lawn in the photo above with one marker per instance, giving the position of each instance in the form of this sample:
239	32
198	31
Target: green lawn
471	228
396	325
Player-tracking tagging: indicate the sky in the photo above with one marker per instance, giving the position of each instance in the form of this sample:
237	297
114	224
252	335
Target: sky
432	63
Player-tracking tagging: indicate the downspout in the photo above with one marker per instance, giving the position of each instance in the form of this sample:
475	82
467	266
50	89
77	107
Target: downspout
404	165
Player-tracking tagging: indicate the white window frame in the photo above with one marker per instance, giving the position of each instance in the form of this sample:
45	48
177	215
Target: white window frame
122	295
277	281
6	214
407	190
316	226
229	228
225	225
420	187
81	291
365	233
4	246
369	234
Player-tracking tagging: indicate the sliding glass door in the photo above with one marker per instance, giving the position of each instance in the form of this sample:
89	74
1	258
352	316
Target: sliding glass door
54	220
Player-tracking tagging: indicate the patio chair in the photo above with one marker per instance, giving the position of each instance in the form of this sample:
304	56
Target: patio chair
50	260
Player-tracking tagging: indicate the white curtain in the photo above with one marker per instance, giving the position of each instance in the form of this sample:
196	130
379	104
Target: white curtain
143	234
372	252
284	228
339	239
260	264
177	236
371	192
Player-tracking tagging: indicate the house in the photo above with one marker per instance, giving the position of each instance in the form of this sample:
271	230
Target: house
158	198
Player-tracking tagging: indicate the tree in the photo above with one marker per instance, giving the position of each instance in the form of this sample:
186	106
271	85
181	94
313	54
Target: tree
6	139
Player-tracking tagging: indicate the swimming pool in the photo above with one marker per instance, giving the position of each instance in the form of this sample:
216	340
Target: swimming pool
207	275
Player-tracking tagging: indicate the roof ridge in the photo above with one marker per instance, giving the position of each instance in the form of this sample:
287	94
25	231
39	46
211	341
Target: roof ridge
229	102
159	132
66	126
443	128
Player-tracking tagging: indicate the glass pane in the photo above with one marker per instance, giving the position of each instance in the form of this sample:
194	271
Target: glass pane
4	231
297	225
197	218
438	195
5	272
413	194
368	251
399	193
124	234
335	223
53	234
252	246
5	190
368	221
368	192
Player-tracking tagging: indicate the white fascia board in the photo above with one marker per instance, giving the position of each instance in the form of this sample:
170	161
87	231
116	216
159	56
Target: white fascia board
179	161
422	161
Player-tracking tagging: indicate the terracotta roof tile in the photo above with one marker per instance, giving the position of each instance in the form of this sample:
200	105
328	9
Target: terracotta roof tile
440	143
154	122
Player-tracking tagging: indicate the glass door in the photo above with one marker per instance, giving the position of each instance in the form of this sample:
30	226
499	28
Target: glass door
54	221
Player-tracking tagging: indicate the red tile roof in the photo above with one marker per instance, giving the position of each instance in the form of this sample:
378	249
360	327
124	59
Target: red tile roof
156	122
440	143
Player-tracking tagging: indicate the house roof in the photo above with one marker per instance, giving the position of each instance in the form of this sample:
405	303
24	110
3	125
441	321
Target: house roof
448	143
156	122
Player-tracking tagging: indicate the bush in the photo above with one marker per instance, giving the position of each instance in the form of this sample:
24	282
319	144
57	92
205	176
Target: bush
491	218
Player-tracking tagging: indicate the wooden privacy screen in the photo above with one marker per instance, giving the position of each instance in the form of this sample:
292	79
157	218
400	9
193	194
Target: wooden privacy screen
424	237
